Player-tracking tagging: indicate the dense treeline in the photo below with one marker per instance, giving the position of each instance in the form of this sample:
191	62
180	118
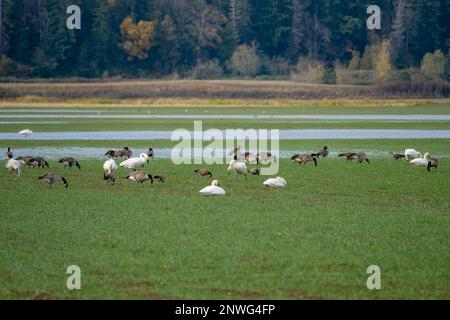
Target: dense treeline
307	39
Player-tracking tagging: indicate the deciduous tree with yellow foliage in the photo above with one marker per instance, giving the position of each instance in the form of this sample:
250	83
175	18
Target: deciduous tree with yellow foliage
137	39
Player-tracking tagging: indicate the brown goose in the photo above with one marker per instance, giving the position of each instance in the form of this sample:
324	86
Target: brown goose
265	156
69	162
396	156
25	159
203	172
139	177
304	158
362	156
349	155
109	176
9	154
323	153
254	171
150	154
53	177
432	163
160	178
38	162
124	153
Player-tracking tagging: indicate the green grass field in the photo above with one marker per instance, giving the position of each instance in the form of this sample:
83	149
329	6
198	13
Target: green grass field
312	240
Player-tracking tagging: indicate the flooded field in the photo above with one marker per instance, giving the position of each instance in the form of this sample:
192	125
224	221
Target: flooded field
295	134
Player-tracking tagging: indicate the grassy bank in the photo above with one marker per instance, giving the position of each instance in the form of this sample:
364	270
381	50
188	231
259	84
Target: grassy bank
314	239
223	89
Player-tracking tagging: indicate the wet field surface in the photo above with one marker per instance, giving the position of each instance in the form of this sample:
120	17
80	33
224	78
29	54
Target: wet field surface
294	134
49	114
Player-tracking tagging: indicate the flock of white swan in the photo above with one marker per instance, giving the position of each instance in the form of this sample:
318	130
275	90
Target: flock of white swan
237	166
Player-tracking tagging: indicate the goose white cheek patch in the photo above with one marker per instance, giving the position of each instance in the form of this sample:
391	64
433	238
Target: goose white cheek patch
215	146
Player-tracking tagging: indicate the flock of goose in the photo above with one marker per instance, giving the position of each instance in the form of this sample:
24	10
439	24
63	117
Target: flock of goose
238	165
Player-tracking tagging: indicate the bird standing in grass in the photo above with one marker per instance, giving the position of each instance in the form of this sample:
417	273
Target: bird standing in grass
362	156
213	190
397	156
323	153
421	161
411	154
109	176
9	154
432	163
53	177
160	178
304	158
277	182
135	163
239	168
69	162
13	166
203	172
254	171
139	177
110	166
349	155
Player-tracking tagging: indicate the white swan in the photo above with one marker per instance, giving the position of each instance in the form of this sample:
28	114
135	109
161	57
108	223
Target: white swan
110	166
213	190
26	133
237	167
412	154
14	165
421	161
277	182
134	163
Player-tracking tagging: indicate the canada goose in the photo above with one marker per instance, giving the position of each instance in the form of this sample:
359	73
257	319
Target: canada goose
26	133
249	157
432	163
160	178
349	155
53	177
203	172
304	158
9	154
235	151
213	190
139	177
13	166
110	166
277	182
362	156
265	156
109	176
237	167
135	163
124	153
38	162
323	153
69	162
25	159
396	156
412	154
150	153
421	161
254	171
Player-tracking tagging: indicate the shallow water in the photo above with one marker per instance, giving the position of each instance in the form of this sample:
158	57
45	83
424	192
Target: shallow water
407	117
32	122
294	134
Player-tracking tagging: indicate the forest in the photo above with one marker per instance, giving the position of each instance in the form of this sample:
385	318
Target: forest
317	41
